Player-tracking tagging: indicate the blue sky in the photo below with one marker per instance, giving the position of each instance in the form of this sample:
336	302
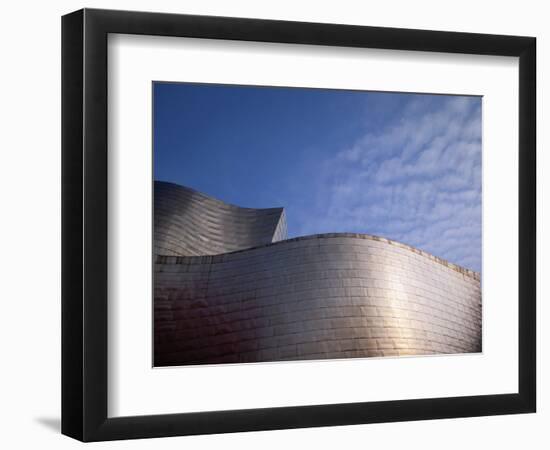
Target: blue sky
402	166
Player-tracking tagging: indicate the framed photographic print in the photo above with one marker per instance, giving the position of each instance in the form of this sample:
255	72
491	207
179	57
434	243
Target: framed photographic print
273	224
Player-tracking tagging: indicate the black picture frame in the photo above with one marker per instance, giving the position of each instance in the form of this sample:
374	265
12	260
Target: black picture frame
84	224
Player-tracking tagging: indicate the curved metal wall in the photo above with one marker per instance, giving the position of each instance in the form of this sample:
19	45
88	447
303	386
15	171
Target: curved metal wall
317	297
188	222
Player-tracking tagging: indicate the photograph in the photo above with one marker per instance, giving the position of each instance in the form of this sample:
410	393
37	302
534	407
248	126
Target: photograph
298	223
320	219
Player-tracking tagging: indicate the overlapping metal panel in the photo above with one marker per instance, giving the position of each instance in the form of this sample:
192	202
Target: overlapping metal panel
317	297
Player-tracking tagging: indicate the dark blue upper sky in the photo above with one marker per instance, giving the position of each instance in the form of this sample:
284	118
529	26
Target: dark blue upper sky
403	166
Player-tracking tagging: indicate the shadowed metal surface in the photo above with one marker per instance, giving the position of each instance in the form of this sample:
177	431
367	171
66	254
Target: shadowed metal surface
316	297
188	222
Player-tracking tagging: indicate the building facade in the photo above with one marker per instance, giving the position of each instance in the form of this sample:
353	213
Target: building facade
229	288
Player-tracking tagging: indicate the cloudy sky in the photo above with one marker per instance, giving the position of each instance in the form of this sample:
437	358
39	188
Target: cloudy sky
403	166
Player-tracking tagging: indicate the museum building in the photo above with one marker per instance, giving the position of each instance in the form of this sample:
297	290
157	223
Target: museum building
229	287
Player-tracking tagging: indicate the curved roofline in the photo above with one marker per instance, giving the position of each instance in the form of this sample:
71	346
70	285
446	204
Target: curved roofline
217	200
468	272
456	267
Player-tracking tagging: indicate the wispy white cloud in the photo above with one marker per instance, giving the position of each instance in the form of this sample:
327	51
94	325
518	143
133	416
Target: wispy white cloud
416	180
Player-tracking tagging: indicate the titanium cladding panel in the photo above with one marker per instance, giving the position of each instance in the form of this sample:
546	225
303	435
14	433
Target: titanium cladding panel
316	297
190	223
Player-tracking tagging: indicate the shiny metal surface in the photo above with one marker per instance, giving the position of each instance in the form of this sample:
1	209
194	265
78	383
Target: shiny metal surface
188	222
315	297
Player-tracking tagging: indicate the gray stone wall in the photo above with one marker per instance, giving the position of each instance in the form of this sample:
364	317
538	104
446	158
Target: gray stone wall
188	222
317	297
